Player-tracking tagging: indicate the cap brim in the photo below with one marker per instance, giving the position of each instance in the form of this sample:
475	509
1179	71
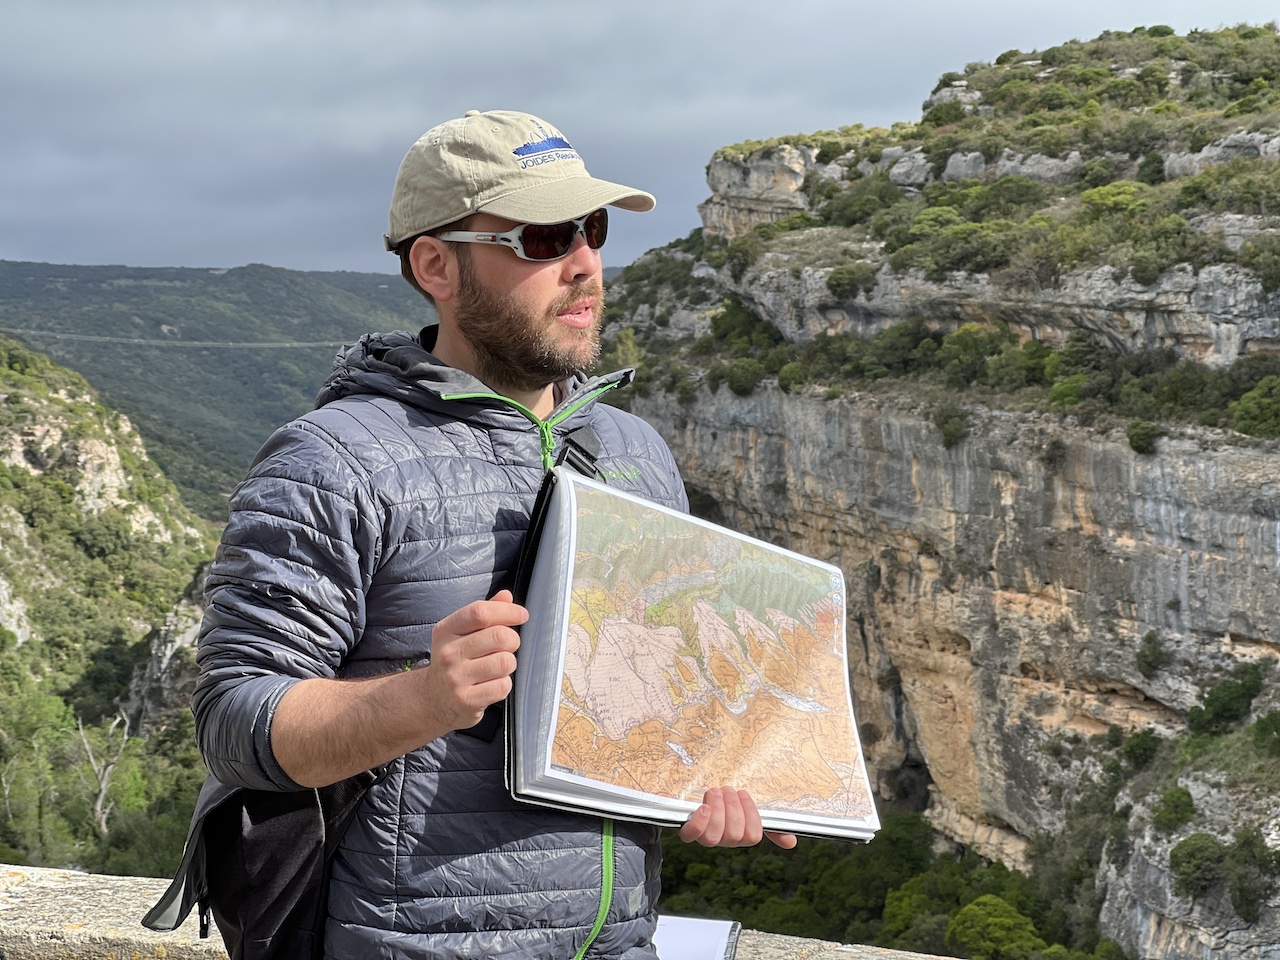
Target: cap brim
567	199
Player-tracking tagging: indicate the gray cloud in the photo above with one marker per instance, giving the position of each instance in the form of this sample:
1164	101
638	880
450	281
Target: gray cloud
221	133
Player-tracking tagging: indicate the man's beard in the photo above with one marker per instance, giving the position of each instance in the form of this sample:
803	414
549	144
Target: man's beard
514	349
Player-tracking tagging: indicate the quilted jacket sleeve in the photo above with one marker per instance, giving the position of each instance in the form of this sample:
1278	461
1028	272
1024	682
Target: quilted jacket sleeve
286	596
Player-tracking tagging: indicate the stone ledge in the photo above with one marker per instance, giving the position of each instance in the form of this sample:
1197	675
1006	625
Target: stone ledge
47	914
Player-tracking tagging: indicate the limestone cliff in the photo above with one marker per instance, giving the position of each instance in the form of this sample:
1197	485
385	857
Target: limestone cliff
999	594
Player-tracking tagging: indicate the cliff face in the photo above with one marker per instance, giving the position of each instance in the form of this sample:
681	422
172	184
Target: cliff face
1216	315
999	594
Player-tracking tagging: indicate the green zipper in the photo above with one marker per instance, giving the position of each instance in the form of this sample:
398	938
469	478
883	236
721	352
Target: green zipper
606	889
546	443
546	438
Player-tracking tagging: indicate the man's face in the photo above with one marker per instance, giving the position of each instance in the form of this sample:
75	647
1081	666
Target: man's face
528	323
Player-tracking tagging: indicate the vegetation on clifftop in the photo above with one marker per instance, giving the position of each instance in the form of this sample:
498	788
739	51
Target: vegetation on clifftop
1101	120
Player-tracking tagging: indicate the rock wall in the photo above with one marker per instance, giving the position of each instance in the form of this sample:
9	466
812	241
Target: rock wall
1216	315
999	593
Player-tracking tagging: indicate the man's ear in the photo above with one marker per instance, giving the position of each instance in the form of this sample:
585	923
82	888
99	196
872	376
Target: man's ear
434	267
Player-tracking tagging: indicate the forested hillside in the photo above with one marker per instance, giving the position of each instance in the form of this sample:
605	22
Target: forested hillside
96	551
206	362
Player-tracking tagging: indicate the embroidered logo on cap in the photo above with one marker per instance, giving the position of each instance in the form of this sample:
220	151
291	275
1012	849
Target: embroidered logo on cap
550	147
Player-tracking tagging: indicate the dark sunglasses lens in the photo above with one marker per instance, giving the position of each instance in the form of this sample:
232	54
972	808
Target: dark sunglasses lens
550	241
596	228
547	241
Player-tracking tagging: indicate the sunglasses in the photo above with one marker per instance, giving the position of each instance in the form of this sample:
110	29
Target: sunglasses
542	241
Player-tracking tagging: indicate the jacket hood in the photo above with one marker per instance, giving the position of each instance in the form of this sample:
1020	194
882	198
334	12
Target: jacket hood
396	365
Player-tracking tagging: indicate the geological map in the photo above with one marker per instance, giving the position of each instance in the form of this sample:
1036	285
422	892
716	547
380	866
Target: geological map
683	672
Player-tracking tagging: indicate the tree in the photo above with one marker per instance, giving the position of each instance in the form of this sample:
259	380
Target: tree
1266	733
625	352
1250	869
989	928
1257	413
1176	808
849	279
965	352
102	765
743	375
1143	435
1197	863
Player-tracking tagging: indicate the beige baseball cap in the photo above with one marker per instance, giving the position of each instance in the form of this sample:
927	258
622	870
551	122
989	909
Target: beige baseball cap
502	162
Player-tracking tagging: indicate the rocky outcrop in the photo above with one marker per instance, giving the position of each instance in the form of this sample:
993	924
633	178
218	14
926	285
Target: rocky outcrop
759	188
1215	315
162	685
92	459
999	594
1185	164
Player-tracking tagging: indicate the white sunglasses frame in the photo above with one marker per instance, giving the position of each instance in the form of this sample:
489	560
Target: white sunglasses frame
514	238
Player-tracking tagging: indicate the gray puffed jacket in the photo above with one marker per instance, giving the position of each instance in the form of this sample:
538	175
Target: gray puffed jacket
403	496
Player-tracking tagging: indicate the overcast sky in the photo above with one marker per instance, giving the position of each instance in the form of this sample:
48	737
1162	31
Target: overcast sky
221	133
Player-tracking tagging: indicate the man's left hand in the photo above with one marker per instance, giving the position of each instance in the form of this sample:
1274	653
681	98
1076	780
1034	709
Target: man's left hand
729	818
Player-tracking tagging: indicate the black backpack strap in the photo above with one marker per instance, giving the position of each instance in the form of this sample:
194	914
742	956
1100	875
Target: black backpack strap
580	450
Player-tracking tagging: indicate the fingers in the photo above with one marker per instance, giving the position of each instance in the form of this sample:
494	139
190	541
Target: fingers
475	617
728	818
473	657
787	841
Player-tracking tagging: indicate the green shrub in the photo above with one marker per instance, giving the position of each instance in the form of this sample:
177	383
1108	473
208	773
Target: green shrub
1143	435
964	353
1124	198
1152	657
849	279
743	253
1266	733
1197	862
791	376
1098	172
1262	256
715	375
744	375
1250	873
1141	748
952	420
1257	413
1175	809
1017	366
973	247
945	113
861	199
1065	392
1145	267
1226	703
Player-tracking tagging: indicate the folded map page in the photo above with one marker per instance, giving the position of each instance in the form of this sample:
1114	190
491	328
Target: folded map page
665	655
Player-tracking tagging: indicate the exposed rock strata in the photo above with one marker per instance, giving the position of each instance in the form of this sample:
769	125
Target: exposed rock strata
999	596
1216	315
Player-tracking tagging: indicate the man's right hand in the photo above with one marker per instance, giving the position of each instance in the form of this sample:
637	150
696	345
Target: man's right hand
326	730
473	654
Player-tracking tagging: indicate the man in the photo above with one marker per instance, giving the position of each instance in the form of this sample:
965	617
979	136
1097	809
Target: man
354	613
